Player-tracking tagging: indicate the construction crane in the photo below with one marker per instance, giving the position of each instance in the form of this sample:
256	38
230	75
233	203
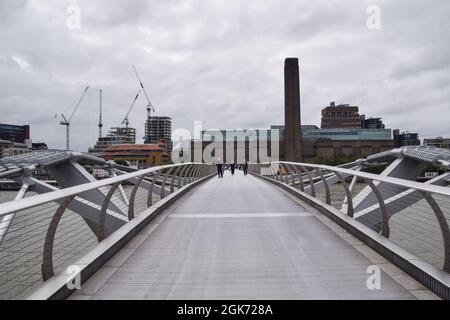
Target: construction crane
125	120
100	124
149	105
66	122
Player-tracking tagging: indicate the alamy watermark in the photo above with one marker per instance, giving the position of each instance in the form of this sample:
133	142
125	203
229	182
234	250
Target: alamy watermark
373	21
73	20
227	146
374	280
74	277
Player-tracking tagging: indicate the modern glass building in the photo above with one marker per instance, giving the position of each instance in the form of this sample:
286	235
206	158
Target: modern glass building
14	133
339	134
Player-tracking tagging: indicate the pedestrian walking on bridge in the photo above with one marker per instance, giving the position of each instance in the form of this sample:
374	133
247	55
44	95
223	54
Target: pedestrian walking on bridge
219	169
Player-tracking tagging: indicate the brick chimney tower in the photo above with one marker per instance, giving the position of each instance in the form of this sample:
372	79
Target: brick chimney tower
292	135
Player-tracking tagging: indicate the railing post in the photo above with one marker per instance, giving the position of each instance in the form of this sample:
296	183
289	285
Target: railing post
292	175
352	184
350	210
300	176
327	188
188	174
283	173
311	182
383	209
47	258
267	170
272	171
163	185
276	172
172	183
281	169
442	224
101	232
150	189
132	198
179	182
202	172
122	192
195	172
185	173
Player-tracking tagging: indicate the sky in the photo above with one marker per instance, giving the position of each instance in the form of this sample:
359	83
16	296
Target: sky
221	62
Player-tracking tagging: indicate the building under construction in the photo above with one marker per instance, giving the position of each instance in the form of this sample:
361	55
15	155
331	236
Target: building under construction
159	128
116	135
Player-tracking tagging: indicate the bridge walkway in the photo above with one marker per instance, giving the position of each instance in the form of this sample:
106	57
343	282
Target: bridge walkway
242	238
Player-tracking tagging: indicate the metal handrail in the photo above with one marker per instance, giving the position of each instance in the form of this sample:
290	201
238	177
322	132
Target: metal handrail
396	181
29	226
386	207
25	203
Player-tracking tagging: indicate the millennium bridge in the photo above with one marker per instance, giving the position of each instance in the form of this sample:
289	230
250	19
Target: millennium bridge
285	231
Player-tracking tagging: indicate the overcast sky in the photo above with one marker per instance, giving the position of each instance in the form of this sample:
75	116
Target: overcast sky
221	61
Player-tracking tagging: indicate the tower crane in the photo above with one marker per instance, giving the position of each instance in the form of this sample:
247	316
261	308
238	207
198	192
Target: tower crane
149	105
66	121
125	120
100	124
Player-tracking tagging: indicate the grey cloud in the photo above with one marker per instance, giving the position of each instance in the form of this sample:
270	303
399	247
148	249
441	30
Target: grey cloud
222	62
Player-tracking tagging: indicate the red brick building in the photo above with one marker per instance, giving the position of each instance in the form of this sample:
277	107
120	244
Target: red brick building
340	116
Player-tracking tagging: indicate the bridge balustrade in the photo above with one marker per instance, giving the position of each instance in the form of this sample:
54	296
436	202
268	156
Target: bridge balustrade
42	234
413	215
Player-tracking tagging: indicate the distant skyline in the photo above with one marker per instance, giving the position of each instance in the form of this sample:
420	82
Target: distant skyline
221	62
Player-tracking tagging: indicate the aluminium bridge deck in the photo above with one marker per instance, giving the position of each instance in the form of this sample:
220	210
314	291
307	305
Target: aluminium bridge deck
242	238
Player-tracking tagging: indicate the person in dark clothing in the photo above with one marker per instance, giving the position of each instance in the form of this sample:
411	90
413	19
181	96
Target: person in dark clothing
245	167
232	167
219	170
